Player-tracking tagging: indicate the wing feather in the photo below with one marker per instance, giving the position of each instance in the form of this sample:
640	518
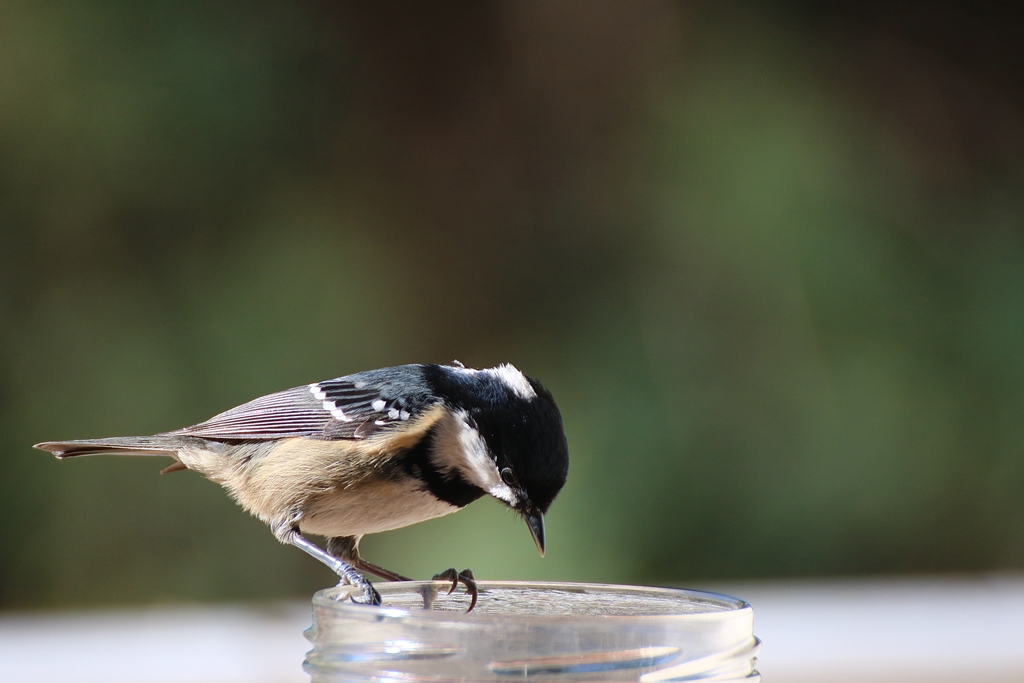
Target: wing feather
352	407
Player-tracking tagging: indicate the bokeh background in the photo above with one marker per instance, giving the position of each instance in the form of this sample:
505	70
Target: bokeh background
769	258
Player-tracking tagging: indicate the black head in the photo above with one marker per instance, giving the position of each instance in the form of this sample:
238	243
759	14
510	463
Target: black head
521	430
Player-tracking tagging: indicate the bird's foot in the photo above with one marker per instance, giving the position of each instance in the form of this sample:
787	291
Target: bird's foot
464	577
289	533
370	596
358	581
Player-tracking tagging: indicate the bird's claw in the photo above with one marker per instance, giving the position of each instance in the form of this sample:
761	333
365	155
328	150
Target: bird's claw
456	577
370	595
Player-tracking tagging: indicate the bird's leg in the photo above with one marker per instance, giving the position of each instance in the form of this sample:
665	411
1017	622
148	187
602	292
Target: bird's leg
377	570
346	549
347	572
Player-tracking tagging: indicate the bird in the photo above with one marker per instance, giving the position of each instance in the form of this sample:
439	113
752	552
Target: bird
373	451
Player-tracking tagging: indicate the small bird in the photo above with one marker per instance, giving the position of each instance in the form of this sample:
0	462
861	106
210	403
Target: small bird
373	451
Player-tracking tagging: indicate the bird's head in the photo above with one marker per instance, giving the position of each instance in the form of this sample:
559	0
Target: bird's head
511	443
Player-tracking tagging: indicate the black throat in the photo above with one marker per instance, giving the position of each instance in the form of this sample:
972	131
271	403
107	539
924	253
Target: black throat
448	486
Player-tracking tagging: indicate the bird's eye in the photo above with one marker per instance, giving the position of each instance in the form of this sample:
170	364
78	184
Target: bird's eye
508	477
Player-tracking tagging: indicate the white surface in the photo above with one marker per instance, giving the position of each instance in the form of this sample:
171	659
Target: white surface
939	630
907	630
157	645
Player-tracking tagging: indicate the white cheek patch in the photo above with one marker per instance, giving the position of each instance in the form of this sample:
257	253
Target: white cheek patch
483	471
460	447
329	406
503	492
477	462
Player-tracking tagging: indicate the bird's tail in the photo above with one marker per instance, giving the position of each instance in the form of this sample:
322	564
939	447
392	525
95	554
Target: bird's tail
120	445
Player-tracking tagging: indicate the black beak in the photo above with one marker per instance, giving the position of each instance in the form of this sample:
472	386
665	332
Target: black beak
535	520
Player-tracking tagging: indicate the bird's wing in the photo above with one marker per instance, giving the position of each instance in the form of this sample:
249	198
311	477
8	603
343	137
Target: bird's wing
352	407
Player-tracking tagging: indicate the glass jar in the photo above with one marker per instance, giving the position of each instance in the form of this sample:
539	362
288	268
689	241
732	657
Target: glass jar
538	631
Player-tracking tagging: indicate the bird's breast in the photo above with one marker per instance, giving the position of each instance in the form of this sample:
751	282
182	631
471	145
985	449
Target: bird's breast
370	508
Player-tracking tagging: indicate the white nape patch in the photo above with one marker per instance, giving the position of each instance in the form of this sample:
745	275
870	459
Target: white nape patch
459	446
378	405
510	376
329	406
514	380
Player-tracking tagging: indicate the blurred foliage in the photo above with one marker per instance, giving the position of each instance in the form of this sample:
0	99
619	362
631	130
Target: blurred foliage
768	258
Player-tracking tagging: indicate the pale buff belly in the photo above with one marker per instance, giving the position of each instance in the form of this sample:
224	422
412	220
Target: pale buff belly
367	510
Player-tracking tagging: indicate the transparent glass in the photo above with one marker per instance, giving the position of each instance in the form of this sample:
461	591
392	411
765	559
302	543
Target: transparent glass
538	631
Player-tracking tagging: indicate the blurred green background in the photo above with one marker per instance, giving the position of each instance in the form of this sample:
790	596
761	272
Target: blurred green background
769	258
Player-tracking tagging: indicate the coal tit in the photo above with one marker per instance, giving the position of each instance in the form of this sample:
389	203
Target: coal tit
373	451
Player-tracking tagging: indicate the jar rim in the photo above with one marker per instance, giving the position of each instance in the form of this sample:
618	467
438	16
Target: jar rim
727	607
